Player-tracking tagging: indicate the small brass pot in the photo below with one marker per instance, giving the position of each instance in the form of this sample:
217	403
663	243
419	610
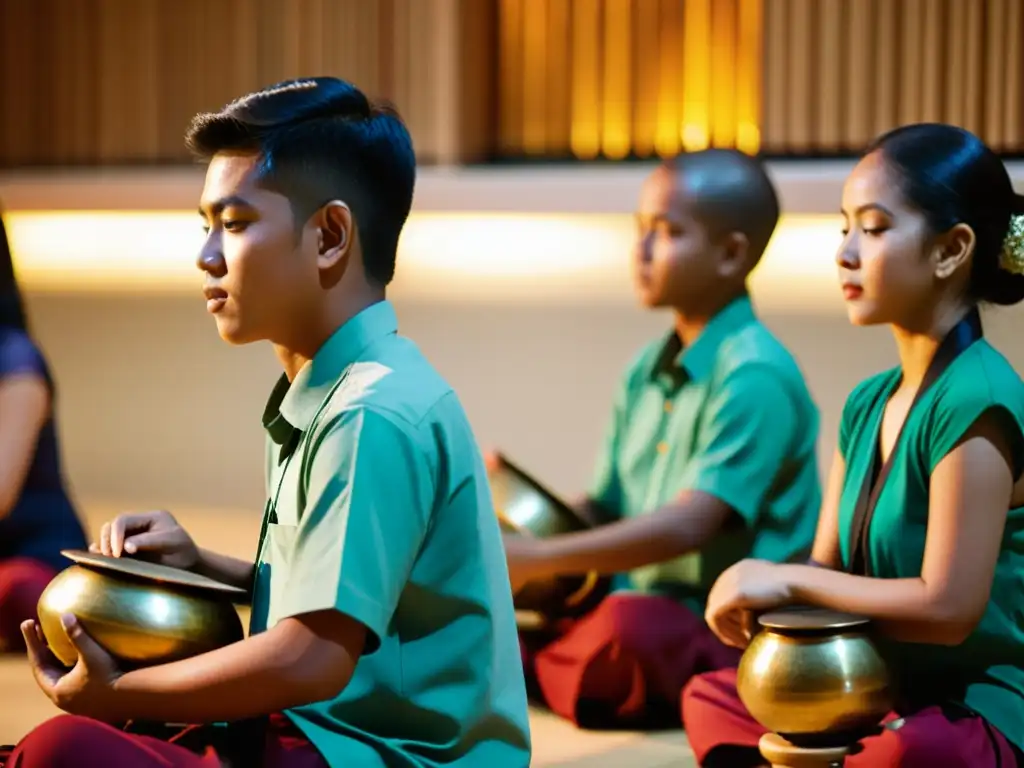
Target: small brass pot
814	677
525	507
138	621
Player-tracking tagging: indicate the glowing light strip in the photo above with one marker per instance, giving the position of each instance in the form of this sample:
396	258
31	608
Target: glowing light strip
459	256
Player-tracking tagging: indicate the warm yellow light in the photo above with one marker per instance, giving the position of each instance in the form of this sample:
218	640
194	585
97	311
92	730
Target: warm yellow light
458	256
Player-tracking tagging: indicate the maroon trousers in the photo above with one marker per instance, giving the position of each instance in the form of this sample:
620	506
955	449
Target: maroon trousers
22	581
624	664
722	733
69	741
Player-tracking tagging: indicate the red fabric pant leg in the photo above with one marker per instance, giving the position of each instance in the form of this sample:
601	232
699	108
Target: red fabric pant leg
22	581
716	721
69	741
631	654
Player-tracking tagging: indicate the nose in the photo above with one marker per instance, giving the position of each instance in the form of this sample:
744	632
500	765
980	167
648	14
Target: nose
847	257
211	257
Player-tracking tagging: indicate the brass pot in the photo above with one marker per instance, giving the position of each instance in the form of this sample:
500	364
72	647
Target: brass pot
814	677
139	620
525	507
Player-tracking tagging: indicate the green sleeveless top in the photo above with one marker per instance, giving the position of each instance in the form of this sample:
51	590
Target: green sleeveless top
985	674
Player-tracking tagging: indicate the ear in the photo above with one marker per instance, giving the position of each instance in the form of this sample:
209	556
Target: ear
735	250
953	249
336	231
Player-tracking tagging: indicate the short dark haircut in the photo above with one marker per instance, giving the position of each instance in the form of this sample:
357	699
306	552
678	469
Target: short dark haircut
731	192
320	139
951	177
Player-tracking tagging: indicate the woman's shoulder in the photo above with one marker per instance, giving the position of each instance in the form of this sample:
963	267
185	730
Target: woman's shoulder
20	354
982	377
981	381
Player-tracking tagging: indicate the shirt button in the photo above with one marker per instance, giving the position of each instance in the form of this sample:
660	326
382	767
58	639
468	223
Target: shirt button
668	406
662	447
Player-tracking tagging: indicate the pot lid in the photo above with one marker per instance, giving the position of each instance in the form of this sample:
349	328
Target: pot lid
807	618
143	569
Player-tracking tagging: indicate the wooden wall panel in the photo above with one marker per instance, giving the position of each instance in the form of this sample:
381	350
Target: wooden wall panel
838	72
92	82
116	81
617	78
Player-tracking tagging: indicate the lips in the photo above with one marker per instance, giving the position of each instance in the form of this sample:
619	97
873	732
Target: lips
851	291
215	298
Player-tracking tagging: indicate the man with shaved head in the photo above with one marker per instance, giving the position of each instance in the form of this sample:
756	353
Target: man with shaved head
710	457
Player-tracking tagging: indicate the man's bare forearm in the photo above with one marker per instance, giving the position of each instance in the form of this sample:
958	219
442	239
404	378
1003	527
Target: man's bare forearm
225	569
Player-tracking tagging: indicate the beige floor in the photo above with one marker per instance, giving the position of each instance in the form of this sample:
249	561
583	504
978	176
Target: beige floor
556	744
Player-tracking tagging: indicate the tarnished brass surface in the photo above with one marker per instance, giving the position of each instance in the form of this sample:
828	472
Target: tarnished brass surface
808	674
526	508
140	622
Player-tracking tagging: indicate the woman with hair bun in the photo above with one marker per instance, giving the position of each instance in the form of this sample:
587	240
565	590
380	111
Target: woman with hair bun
922	524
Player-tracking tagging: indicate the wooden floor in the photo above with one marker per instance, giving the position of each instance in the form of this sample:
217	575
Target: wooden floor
557	744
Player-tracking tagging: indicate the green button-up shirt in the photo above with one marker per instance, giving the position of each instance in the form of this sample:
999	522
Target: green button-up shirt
379	507
730	416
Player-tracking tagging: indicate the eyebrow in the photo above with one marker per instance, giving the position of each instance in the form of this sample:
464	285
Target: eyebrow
217	206
870	207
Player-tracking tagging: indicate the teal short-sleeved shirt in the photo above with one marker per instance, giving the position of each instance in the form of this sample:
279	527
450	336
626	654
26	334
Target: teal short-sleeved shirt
986	672
384	513
730	416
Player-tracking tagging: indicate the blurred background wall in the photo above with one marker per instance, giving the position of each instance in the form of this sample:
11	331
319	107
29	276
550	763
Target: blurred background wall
535	122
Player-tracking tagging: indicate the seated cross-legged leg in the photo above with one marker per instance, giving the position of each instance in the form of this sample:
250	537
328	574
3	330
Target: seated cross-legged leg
69	741
626	662
722	733
22	581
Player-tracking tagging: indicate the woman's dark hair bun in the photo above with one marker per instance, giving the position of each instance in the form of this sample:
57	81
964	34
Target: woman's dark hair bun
952	177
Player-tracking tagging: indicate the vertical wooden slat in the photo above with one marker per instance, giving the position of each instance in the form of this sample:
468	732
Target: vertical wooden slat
776	72
860	61
128	103
511	25
19	101
800	76
830	91
670	43
954	74
74	82
647	57
617	96
535	73
932	80
696	62
912	61
886	26
973	36
995	67
748	75
558	77
722	98
1013	114
586	78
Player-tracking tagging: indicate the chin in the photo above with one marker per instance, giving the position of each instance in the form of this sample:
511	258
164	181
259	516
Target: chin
233	333
649	299
862	316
